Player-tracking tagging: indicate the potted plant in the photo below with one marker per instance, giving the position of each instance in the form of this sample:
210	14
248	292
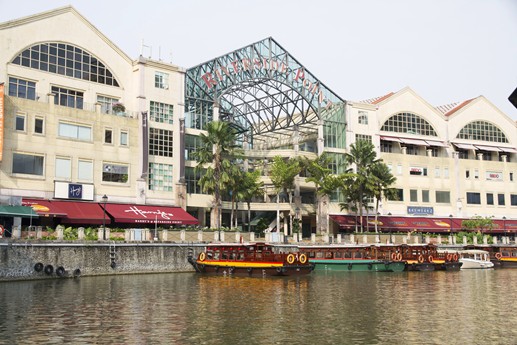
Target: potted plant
118	107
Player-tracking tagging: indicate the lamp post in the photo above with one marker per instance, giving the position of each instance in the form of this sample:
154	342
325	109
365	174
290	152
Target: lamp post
451	229
504	226
104	201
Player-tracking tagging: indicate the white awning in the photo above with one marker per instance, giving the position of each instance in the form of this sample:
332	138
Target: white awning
435	143
465	146
488	148
508	149
390	139
413	142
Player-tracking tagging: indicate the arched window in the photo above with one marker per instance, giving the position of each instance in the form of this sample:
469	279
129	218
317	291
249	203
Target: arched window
408	123
66	59
483	131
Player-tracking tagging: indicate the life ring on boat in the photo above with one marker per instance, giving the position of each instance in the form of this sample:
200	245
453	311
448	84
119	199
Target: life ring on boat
399	257
202	256
455	257
2	230
430	258
303	258
449	257
393	256
290	258
420	258
498	256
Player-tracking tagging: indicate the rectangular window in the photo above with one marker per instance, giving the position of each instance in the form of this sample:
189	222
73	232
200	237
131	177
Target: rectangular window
38	125
476	174
161	112
446	172
513	199
467	174
443	197
399	169
161	80
198	114
108	136
115	173
463	154
191	178
511	176
363	117
363	137
106	103
434	151
399	196
489	198
413	195
85	170
160	177
68	130
500	200
124	136
425	195
386	146
68	98
412	150
27	164
20	123
160	142
22	88
63	168
473	198
437	172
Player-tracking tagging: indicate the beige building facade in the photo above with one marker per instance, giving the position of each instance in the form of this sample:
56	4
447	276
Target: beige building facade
80	113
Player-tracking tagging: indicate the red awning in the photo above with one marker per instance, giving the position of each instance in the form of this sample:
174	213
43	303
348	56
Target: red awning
147	214
82	212
45	208
391	223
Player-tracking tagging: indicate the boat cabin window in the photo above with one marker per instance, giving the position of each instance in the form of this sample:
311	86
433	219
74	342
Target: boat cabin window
358	255
319	255
348	255
337	255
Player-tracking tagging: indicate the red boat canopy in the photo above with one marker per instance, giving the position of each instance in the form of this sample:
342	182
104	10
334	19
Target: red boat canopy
147	214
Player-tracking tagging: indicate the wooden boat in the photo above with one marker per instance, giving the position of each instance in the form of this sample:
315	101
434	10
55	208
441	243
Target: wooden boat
425	257
502	256
250	259
352	258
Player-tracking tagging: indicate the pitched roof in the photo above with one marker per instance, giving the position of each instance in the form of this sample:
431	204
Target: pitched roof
449	109
377	100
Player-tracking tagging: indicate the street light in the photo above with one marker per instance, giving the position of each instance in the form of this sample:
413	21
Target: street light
104	201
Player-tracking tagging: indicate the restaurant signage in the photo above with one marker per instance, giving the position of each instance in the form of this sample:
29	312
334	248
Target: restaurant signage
420	210
494	176
75	191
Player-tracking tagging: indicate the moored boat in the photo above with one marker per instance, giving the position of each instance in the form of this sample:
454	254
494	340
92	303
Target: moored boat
351	258
250	259
502	256
475	259
425	257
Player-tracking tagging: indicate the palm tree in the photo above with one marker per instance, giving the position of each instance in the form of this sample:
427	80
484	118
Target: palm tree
326	184
362	155
215	155
383	179
283	174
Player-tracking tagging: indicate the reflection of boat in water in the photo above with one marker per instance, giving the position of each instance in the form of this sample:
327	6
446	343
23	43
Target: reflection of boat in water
352	258
474	258
250	259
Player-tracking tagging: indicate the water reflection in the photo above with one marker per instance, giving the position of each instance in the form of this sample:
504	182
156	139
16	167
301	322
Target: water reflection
326	307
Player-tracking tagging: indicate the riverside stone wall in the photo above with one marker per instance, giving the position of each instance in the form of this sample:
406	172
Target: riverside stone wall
18	260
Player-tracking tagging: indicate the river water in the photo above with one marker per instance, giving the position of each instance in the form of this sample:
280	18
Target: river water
466	307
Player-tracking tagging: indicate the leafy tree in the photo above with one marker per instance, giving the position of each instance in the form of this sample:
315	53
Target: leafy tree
478	223
215	155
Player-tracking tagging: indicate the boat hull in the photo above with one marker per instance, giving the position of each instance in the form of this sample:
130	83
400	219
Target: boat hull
250	269
358	265
476	264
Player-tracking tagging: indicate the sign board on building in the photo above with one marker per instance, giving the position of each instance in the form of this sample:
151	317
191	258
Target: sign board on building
494	176
74	191
420	210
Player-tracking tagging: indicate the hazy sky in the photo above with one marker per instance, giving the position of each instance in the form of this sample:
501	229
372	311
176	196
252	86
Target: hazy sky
445	50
